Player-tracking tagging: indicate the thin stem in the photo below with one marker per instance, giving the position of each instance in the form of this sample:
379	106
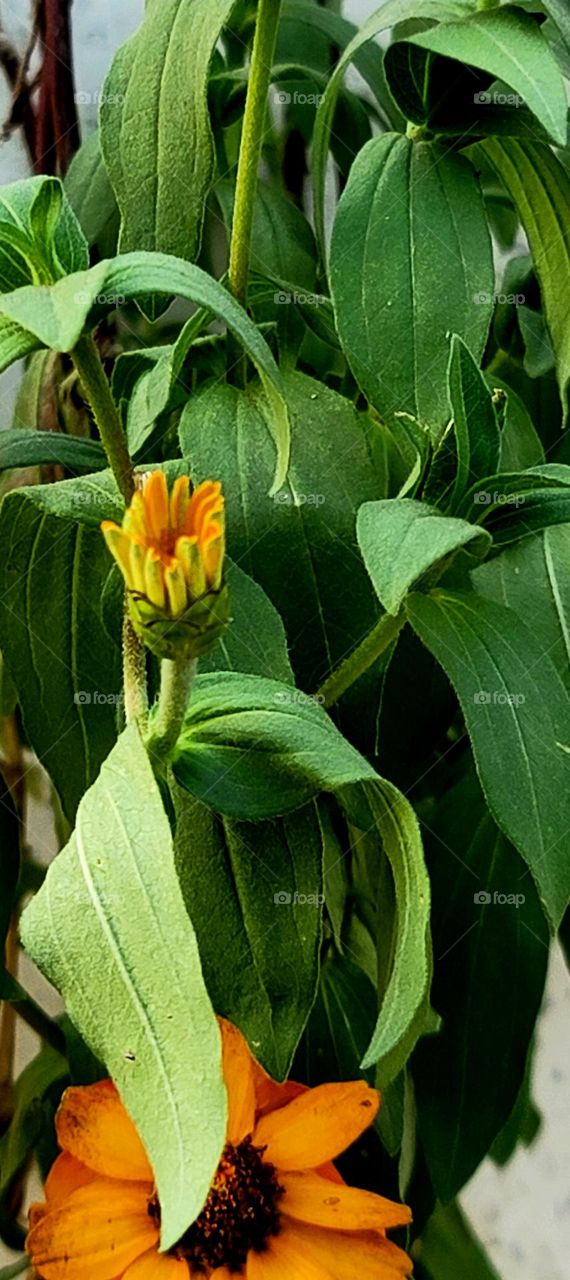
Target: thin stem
251	144
176	678
97	392
373	645
134	674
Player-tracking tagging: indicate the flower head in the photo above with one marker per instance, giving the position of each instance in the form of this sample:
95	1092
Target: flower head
170	550
277	1209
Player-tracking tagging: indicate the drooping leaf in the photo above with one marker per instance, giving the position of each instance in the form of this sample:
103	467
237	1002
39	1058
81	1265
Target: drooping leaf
155	125
40	237
109	928
516	708
539	186
491	955
20	448
56	317
410	221
64	666
401	540
254	894
474	421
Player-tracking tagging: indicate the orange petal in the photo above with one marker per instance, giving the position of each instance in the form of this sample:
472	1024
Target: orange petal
179	499
284	1260
331	1173
155	495
238	1075
153	1263
269	1095
93	1126
344	1254
66	1175
317	1126
309	1198
95	1234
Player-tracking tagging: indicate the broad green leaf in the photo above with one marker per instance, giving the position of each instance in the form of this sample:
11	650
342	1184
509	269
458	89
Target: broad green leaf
110	930
533	578
474	420
387	15
40	237
491	950
31	1112
283	243
558	11
57	316
341	1024
508	44
368	58
15	343
89	191
314	578
61	659
20	448
520	443
410	221
524	1123
254	894
155	125
516	708
447	1249
539	186
254	748
410	973
255	642
401	540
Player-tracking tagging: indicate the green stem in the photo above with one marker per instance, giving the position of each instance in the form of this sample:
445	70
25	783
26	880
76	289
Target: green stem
134	674
176	678
251	144
97	392
373	645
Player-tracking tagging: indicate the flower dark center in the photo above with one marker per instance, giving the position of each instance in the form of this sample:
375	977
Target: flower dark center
240	1214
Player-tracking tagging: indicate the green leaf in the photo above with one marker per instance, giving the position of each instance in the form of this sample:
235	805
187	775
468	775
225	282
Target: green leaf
57	316
15	343
155	125
61	659
491	950
508	44
89	191
516	708
539	186
30	1114
401	540
40	237
15	1269
474	420
387	15
254	894
20	448
410	975
315	580
109	928
533	579
411	215
255	642
448	1249
520	443
254	748
341	1024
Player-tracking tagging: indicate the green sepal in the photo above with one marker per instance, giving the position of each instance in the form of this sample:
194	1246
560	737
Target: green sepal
189	636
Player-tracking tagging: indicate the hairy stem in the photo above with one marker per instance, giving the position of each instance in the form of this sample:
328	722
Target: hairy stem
97	392
371	648
176	678
251	143
134	674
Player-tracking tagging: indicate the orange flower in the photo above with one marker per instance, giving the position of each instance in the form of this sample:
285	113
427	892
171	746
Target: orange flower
277	1209
170	551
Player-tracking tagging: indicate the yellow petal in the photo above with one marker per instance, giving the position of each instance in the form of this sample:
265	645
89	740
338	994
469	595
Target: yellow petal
66	1175
95	1234
134	519
238	1075
157	1264
119	544
154	579
317	1126
310	1198
137	564
188	554
176	590
344	1255
155	495
93	1126
284	1260
179	500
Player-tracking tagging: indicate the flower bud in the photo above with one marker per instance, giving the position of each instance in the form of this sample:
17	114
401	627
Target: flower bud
170	550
